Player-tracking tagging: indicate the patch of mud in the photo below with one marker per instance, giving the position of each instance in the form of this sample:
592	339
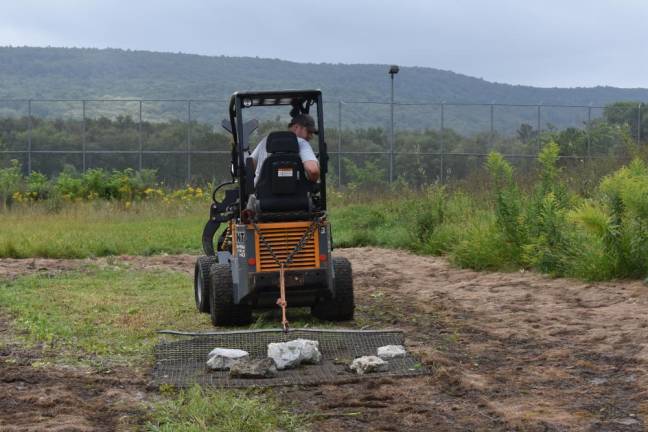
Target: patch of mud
37	396
53	399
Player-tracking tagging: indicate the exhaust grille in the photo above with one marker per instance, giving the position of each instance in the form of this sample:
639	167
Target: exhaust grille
283	237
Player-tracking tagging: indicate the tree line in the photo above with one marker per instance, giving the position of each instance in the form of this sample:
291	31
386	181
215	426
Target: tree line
420	156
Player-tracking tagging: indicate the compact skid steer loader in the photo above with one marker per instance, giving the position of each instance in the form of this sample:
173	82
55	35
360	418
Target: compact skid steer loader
275	249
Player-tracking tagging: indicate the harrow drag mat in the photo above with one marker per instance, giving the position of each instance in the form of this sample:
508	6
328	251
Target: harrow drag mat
183	362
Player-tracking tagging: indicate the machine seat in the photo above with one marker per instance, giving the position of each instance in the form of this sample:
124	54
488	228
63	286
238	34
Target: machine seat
282	184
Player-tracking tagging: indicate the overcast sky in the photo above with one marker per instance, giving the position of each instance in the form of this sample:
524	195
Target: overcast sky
548	43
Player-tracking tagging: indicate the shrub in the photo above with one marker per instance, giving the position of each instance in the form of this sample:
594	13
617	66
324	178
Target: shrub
625	194
508	203
548	249
428	211
68	184
11	183
547	244
484	248
618	220
95	183
38	186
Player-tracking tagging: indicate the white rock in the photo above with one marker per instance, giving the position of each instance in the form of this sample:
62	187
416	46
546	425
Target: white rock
285	355
310	352
391	351
368	364
291	354
224	358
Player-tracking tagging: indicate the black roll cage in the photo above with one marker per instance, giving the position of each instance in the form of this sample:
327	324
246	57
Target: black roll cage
301	102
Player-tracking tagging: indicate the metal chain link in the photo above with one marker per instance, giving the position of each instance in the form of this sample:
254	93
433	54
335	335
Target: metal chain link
227	238
305	238
265	243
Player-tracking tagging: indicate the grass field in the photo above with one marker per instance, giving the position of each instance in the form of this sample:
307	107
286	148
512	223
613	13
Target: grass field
100	228
107	316
109	312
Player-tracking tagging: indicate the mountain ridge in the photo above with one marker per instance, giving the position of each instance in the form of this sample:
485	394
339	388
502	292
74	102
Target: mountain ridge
112	73
101	67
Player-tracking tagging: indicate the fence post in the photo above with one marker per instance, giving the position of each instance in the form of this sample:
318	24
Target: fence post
339	149
188	141
139	138
492	135
29	136
83	136
538	129
443	151
639	124
589	131
391	138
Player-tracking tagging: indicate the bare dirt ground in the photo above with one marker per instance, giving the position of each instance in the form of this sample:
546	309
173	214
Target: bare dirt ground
37	396
507	351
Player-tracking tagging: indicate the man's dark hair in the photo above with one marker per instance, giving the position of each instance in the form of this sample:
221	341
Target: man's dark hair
304	120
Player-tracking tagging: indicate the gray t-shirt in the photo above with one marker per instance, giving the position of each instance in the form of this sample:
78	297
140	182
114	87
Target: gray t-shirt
260	154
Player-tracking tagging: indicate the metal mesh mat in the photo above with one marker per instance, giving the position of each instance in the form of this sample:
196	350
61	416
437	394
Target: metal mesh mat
183	362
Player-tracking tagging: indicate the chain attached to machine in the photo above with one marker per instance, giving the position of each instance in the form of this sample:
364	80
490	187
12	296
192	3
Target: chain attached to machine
227	239
281	301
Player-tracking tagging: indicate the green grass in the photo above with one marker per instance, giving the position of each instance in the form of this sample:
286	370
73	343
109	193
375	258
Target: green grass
103	316
102	228
112	312
224	411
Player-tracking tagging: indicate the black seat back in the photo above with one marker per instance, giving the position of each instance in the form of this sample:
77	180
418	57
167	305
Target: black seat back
282	185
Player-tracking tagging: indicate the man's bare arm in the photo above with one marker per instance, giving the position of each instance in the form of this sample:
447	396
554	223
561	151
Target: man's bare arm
312	170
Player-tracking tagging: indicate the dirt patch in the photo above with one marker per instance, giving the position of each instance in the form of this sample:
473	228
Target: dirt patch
11	268
534	353
180	263
509	351
36	395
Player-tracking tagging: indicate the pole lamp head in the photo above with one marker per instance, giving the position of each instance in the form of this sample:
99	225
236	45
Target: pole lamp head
393	70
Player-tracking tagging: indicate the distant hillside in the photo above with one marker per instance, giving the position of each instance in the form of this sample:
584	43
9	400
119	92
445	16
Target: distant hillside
72	73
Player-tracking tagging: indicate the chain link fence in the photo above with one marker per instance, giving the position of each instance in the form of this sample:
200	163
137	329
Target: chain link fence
183	141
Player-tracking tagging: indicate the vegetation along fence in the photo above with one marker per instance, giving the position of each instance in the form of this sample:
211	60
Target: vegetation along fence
368	141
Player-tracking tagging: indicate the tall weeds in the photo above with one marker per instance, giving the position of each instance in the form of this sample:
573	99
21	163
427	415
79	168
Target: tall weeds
618	218
508	204
548	244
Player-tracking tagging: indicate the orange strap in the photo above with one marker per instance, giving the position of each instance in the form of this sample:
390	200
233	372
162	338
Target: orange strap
281	301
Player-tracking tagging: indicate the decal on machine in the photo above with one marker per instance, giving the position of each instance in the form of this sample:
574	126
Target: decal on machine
284	172
240	243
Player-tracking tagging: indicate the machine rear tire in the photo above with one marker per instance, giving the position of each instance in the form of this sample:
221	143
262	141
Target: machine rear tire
342	307
202	282
221	298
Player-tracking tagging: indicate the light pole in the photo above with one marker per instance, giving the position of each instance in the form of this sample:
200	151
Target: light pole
393	70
